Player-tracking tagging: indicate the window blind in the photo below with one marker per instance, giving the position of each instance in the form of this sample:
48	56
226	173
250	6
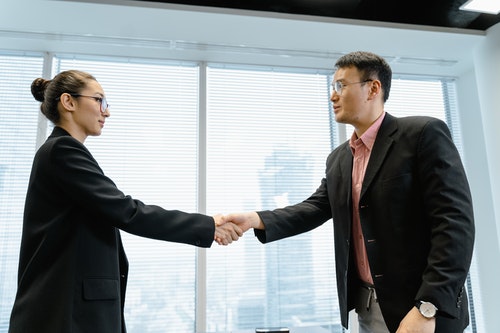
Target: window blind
149	148
18	132
268	135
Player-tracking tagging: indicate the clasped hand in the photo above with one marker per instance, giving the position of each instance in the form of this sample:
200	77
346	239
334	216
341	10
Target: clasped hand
229	228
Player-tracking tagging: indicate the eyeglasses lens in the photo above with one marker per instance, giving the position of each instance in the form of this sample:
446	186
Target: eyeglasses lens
337	86
104	104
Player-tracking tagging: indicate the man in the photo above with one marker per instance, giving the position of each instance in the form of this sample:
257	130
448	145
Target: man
399	199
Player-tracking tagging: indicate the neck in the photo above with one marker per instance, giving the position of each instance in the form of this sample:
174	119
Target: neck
365	125
73	131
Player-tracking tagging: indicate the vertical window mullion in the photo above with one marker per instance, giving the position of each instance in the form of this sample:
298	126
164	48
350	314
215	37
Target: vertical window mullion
201	254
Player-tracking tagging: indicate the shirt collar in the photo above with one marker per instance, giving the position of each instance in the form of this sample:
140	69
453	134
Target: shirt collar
369	136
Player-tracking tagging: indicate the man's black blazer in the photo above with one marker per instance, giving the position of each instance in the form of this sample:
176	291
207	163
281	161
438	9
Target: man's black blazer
416	216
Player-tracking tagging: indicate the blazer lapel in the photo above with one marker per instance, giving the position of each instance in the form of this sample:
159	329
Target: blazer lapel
380	149
346	171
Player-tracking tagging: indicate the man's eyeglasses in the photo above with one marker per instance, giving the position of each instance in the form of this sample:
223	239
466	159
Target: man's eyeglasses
101	100
339	85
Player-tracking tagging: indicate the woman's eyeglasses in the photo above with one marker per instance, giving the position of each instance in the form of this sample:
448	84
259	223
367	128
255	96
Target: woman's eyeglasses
101	100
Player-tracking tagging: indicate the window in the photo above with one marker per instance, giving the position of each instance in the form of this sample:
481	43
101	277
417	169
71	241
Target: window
18	136
149	149
213	138
268	138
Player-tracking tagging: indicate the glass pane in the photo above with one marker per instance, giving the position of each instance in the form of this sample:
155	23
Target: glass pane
18	134
149	148
268	137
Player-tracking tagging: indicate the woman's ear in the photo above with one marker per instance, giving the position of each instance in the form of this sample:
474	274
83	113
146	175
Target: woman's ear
68	102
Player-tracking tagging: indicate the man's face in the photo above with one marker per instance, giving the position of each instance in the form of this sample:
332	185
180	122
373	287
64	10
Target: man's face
350	102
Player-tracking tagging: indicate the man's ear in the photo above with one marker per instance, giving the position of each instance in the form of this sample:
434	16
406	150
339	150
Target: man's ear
68	102
375	89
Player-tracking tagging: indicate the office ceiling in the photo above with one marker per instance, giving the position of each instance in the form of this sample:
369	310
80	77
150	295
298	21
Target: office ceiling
438	13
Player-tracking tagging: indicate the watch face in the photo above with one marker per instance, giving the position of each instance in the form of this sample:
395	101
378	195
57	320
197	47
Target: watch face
427	309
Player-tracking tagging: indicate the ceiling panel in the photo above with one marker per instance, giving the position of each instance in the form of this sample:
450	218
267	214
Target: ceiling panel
440	13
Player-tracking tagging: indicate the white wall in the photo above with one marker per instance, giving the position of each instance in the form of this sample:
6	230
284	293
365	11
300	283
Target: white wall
173	31
182	32
480	114
487	64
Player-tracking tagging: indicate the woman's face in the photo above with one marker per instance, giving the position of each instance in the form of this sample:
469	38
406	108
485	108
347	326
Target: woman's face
89	114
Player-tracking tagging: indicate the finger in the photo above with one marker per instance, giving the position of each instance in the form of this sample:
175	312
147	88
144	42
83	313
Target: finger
218	218
223	236
235	235
238	230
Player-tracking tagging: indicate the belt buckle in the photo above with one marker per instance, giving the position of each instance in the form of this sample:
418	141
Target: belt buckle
372	295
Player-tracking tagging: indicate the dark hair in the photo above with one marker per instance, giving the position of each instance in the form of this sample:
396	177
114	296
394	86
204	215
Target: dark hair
49	91
371	66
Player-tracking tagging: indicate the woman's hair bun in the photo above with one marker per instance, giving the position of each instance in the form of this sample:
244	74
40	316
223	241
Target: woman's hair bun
38	88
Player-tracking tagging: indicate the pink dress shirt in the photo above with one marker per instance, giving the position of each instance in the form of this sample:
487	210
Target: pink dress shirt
361	149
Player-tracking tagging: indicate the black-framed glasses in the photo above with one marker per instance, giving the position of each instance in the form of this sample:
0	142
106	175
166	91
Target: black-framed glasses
100	100
339	85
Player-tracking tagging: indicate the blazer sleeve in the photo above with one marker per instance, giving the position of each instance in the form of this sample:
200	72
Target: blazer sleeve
81	180
296	219
448	205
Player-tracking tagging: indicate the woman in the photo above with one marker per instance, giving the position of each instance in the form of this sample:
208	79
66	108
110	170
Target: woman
72	267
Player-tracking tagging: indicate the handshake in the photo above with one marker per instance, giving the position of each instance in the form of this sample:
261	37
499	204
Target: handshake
230	227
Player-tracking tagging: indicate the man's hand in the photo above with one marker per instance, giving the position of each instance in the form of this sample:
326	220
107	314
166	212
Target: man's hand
245	220
225	233
414	322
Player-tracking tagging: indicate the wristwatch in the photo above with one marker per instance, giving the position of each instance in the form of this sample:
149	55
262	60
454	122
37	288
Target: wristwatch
427	309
